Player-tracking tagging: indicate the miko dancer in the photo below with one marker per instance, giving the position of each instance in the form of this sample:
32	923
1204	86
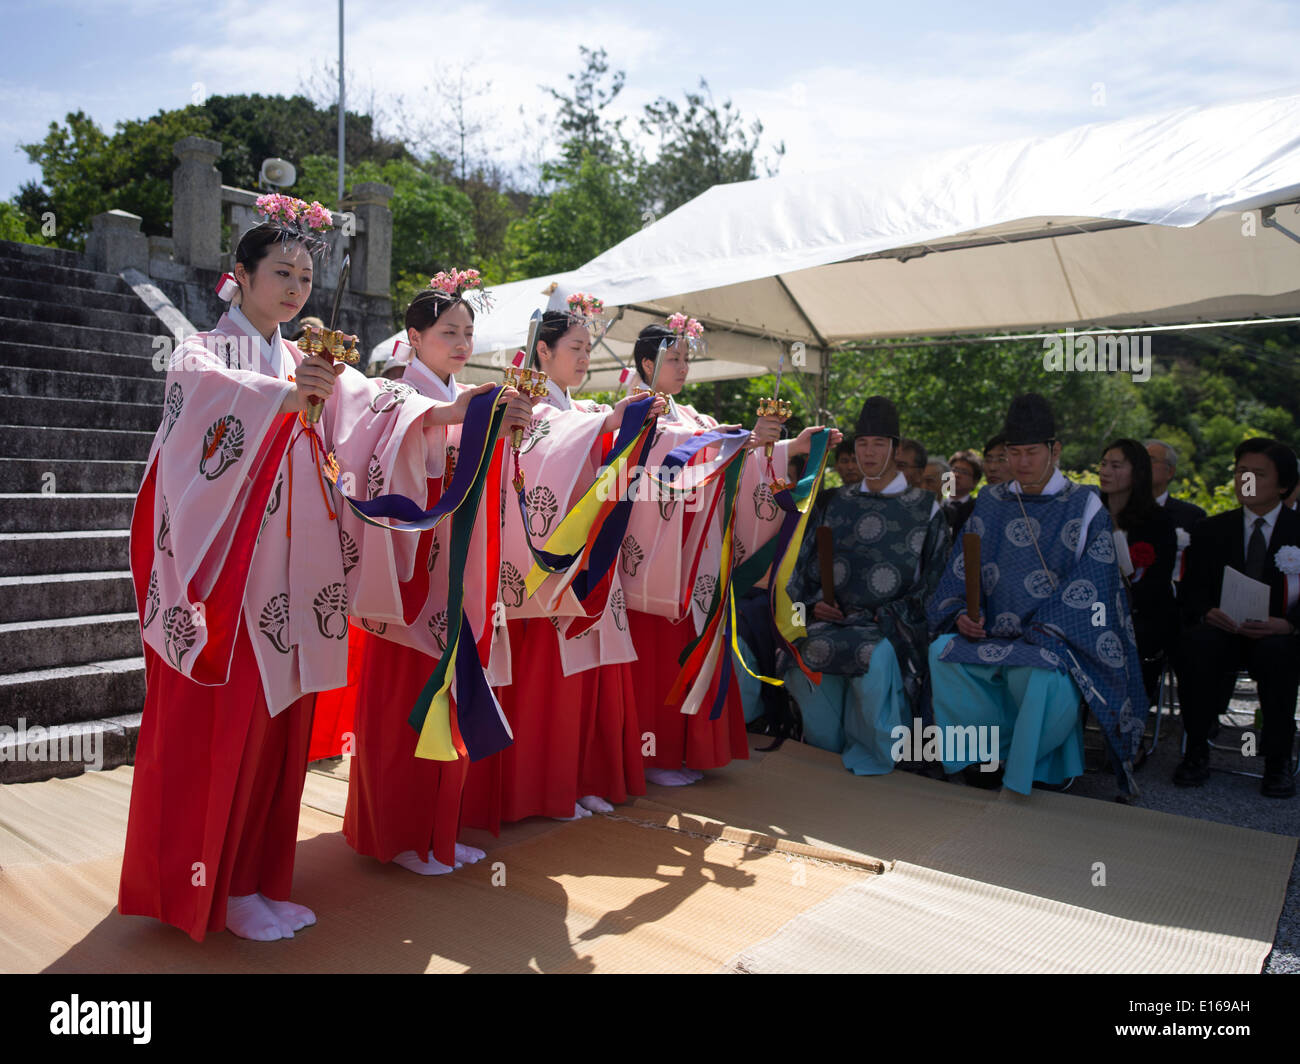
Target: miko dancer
243	568
670	561
402	807
576	745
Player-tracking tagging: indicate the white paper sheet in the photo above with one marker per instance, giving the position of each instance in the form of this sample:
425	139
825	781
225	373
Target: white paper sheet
1121	552
1242	598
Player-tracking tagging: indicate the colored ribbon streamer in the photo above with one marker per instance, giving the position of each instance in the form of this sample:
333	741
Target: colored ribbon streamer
683	478
784	544
789	539
401	514
586	530
703	662
482	725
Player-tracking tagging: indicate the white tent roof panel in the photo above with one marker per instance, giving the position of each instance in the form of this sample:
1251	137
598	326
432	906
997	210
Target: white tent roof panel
1149	211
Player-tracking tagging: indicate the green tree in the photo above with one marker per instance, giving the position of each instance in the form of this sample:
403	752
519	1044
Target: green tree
85	171
582	120
14	225
699	145
594	208
432	221
954	397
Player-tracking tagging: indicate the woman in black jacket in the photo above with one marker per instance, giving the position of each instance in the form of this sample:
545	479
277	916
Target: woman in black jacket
1125	474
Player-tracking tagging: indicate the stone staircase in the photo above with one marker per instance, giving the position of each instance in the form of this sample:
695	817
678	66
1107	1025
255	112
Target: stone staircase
79	402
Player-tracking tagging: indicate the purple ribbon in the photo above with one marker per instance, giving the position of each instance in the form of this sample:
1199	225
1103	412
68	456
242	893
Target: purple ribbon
474	440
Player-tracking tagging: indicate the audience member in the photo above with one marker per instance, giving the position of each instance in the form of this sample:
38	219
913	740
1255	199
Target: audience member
1164	467
1261	540
1125	474
911	460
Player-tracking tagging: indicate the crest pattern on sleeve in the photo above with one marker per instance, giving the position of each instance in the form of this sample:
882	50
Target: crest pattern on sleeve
223	446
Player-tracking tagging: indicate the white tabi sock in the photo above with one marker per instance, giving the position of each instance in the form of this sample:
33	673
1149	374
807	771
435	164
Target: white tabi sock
694	773
596	804
292	916
578	814
667	777
469	854
248	917
410	860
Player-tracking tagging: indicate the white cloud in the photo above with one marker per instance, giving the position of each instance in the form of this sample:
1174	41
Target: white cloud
944	89
989	86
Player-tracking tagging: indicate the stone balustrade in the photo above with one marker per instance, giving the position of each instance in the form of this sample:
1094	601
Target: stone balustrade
207	220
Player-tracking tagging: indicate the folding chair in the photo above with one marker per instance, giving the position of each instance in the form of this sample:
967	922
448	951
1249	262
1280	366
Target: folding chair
1231	682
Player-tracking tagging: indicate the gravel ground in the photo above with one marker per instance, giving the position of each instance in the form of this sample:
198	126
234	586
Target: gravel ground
1226	798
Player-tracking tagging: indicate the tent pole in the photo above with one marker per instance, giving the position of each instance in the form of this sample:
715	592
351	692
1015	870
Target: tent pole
824	384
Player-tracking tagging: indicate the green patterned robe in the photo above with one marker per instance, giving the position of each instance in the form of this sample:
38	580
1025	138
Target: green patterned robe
890	551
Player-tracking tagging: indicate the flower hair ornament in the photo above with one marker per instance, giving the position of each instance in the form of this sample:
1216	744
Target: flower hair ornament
687	329
295	213
463	285
684	326
585	309
296	219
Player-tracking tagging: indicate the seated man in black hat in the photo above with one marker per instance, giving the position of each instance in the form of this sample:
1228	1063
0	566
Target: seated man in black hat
869	644
1261	540
1054	624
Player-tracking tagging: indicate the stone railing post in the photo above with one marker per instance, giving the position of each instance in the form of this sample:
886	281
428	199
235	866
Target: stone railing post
116	243
373	258
196	204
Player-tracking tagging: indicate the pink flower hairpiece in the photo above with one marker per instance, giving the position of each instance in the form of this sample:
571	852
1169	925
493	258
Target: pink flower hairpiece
585	307
462	284
684	326
295	213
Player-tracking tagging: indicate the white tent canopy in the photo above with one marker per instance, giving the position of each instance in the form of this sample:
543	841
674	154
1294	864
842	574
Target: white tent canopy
1136	222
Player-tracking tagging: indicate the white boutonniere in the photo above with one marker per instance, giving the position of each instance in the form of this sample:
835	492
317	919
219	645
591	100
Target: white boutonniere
1288	560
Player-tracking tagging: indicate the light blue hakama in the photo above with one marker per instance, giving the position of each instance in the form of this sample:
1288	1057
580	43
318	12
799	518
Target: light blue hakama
1040	731
855	715
751	688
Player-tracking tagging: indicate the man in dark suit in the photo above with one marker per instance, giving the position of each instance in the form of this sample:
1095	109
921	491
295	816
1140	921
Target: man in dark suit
1213	646
967	471
1164	467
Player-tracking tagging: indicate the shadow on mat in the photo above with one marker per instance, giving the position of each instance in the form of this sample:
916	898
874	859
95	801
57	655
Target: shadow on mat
380	918
1132	863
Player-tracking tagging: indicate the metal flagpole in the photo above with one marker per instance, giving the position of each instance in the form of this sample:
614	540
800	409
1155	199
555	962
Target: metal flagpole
341	110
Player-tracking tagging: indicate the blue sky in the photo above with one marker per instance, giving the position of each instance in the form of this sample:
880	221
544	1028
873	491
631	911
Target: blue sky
838	82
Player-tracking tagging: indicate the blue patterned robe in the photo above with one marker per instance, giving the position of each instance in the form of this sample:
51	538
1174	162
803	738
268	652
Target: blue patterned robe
1050	619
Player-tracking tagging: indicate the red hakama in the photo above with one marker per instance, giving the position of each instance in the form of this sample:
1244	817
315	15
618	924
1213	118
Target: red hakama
216	794
332	730
679	738
573	736
397	801
609	758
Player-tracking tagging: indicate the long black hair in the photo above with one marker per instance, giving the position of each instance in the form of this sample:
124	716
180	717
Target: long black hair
646	348
256	243
429	305
1141	505
555	323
